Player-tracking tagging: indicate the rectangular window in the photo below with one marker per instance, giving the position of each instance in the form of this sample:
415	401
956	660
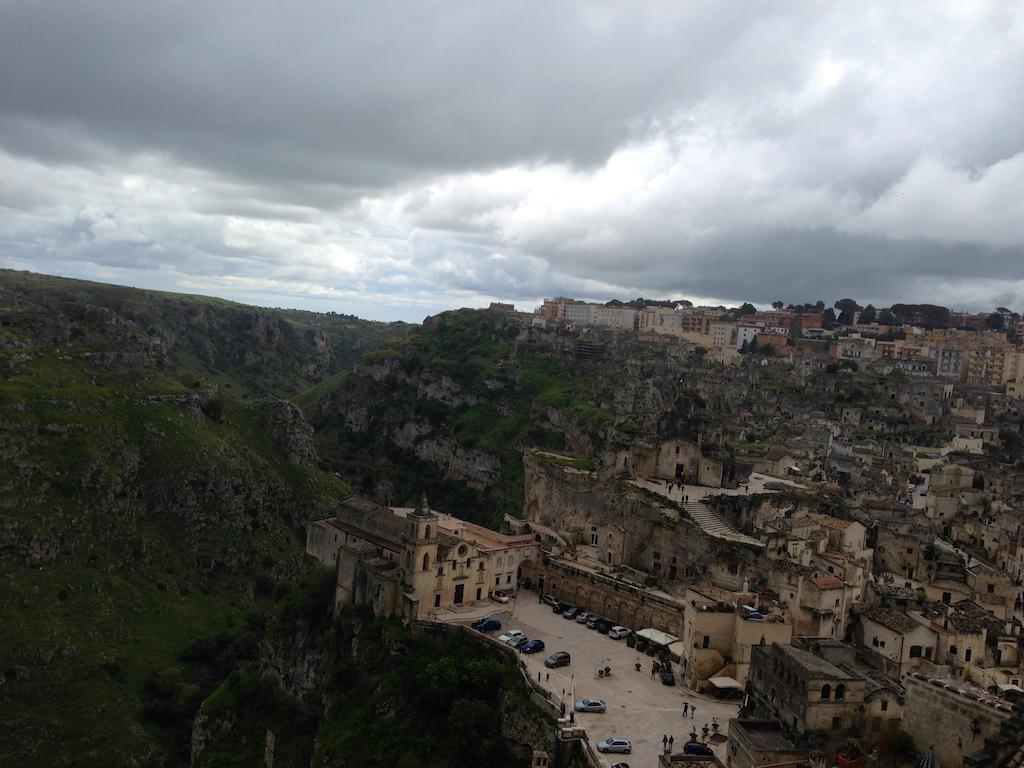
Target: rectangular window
508	579
705	641
440	571
881	643
885	704
593	539
497	581
915	651
927	653
952	650
991	588
967	655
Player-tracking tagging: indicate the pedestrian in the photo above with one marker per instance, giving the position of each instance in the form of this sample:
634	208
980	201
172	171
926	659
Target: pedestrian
671	740
693	711
653	669
664	743
686	708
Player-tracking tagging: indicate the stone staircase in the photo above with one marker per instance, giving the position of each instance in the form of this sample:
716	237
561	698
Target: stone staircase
713	525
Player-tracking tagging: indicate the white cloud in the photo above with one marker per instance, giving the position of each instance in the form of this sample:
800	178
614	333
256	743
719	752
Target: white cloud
406	162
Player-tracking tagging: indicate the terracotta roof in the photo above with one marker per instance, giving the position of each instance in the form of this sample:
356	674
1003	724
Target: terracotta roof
890	619
827	582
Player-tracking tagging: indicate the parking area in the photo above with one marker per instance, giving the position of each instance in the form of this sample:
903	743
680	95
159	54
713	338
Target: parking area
640	708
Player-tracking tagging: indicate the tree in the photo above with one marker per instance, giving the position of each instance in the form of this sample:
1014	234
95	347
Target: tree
886	317
747	309
778	304
828	319
995	322
868	315
819	305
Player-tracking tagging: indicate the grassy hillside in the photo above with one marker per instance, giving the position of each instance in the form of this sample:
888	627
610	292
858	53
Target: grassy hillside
380	696
468	381
247	351
152	494
450	407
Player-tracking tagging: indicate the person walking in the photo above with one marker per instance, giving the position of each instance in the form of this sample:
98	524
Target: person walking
664	743
686	708
693	711
671	740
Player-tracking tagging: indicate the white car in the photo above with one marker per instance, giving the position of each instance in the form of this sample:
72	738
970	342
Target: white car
503	599
614	745
617	633
590	705
512	634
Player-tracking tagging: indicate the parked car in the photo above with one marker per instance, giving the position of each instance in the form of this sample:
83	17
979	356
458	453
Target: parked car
696	748
517	642
583	617
621	765
614	745
604	626
500	598
617	633
551	600
486	625
510	635
667	678
590	705
570	612
532	646
560	659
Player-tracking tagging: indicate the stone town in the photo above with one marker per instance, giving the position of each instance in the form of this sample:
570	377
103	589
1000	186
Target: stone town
835	557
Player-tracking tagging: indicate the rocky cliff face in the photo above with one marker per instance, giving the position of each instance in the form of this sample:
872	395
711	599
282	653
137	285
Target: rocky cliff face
630	524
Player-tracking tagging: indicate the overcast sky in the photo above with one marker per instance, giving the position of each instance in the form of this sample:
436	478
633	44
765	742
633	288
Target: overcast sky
394	160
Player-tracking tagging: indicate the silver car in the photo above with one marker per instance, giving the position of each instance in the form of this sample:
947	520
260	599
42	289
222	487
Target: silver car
614	745
590	705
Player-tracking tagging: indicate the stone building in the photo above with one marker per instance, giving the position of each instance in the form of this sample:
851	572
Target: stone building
754	743
954	718
404	562
894	643
803	691
719	634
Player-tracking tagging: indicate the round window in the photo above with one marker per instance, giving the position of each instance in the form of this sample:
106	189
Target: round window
462	549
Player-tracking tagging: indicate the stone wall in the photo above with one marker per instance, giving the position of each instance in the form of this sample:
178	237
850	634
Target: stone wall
941	715
615	599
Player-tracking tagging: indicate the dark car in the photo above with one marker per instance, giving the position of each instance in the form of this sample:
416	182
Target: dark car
667	678
604	626
696	748
486	625
532	646
592	621
570	613
560	659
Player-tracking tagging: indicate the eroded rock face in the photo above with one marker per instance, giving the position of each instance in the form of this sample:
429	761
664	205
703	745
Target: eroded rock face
629	524
294	434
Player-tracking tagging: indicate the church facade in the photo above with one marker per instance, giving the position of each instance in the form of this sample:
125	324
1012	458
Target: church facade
410	561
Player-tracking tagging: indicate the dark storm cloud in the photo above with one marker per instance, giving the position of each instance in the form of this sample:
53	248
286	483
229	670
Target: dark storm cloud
409	156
